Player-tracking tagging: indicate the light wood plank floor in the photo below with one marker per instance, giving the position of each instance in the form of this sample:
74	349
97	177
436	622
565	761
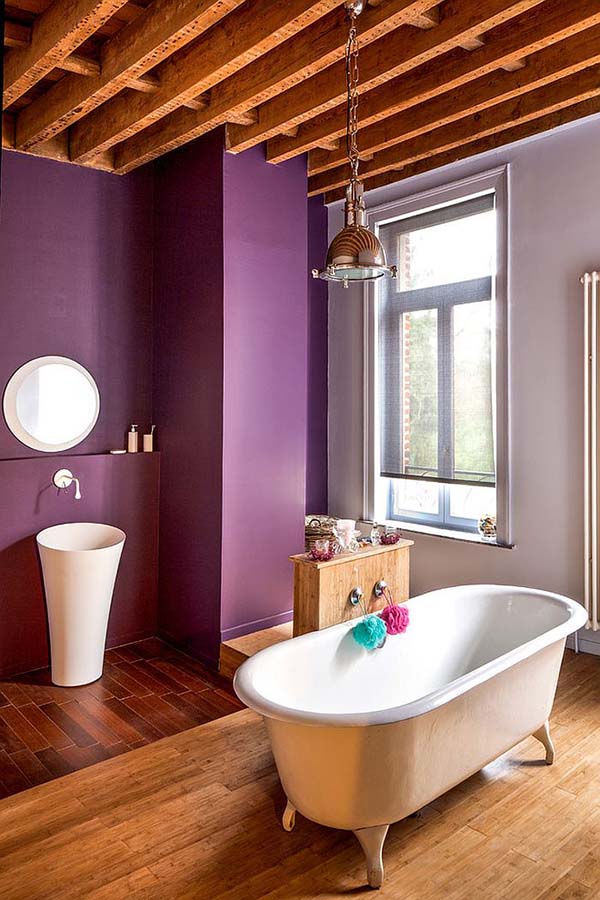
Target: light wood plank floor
196	815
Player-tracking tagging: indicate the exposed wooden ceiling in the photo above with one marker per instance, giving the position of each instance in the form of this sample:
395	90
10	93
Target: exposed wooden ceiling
113	84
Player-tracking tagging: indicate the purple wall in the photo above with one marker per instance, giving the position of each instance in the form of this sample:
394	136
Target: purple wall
188	390
183	289
120	490
316	433
76	280
76	269
265	387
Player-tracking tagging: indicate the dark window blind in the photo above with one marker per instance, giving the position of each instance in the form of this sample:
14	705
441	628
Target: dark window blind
436	361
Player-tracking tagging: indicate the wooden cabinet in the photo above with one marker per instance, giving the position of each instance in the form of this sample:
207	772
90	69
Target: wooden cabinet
322	589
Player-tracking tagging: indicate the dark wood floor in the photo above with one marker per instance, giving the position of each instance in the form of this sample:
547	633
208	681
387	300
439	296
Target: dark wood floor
149	690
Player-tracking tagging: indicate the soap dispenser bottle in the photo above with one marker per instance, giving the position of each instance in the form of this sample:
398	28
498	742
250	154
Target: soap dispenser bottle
132	439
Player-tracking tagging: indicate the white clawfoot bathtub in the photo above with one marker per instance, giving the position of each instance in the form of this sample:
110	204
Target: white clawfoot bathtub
364	738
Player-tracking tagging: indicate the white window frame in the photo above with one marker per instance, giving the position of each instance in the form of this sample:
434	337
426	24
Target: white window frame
496	180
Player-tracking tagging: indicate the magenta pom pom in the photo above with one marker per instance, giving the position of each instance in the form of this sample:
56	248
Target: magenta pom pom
396	618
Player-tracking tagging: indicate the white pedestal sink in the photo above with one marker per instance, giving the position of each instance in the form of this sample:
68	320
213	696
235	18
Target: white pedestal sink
79	563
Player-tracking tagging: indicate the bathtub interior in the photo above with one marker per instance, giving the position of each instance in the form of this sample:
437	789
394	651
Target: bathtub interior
452	632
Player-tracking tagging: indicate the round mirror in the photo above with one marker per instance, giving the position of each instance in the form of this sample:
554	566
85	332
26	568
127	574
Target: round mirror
51	403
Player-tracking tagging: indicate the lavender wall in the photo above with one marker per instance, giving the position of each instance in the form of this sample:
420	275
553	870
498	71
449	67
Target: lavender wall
188	390
316	433
553	238
265	387
76	264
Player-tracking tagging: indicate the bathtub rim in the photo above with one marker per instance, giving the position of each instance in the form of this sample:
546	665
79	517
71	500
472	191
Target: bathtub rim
245	690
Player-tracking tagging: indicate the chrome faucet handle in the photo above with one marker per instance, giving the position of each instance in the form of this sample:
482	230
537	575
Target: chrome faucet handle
356	596
63	479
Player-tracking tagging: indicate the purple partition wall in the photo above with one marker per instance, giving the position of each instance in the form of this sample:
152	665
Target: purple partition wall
230	388
76	264
265	388
188	390
316	432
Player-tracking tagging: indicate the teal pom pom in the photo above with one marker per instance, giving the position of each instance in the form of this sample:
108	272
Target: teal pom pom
370	632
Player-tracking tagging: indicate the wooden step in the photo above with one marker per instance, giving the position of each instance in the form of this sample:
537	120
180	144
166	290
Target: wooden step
234	652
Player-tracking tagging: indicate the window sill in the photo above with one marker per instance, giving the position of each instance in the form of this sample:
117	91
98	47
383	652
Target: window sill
464	536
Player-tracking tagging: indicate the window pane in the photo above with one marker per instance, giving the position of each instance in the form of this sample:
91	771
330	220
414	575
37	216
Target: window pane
469	502
419	336
444	254
413	497
472	391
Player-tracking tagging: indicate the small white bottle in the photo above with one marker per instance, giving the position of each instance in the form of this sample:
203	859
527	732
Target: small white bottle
132	439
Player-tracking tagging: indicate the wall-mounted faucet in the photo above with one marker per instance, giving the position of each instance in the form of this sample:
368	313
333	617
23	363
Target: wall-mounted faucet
63	479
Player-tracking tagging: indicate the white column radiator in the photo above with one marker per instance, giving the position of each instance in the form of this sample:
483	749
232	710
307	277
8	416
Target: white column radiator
591	293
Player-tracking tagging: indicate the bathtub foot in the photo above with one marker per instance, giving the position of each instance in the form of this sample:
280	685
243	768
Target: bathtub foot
289	817
371	840
543	735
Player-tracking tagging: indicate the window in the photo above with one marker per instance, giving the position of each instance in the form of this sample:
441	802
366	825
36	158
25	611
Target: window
436	372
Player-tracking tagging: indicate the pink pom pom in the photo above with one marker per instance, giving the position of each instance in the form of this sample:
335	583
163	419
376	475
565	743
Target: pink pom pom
396	618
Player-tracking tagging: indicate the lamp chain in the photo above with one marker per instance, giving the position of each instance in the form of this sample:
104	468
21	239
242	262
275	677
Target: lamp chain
352	88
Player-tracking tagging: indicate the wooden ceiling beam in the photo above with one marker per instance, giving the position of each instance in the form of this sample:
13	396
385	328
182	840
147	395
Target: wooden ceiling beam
395	53
310	51
314	48
472	43
556	61
536	104
543	25
16	34
147	40
499	139
80	65
429	18
245	118
402	43
246	34
54	35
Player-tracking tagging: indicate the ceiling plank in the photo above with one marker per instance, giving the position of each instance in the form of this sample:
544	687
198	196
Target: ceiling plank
392	55
499	139
150	38
245	34
556	61
54	35
542	26
397	49
537	104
